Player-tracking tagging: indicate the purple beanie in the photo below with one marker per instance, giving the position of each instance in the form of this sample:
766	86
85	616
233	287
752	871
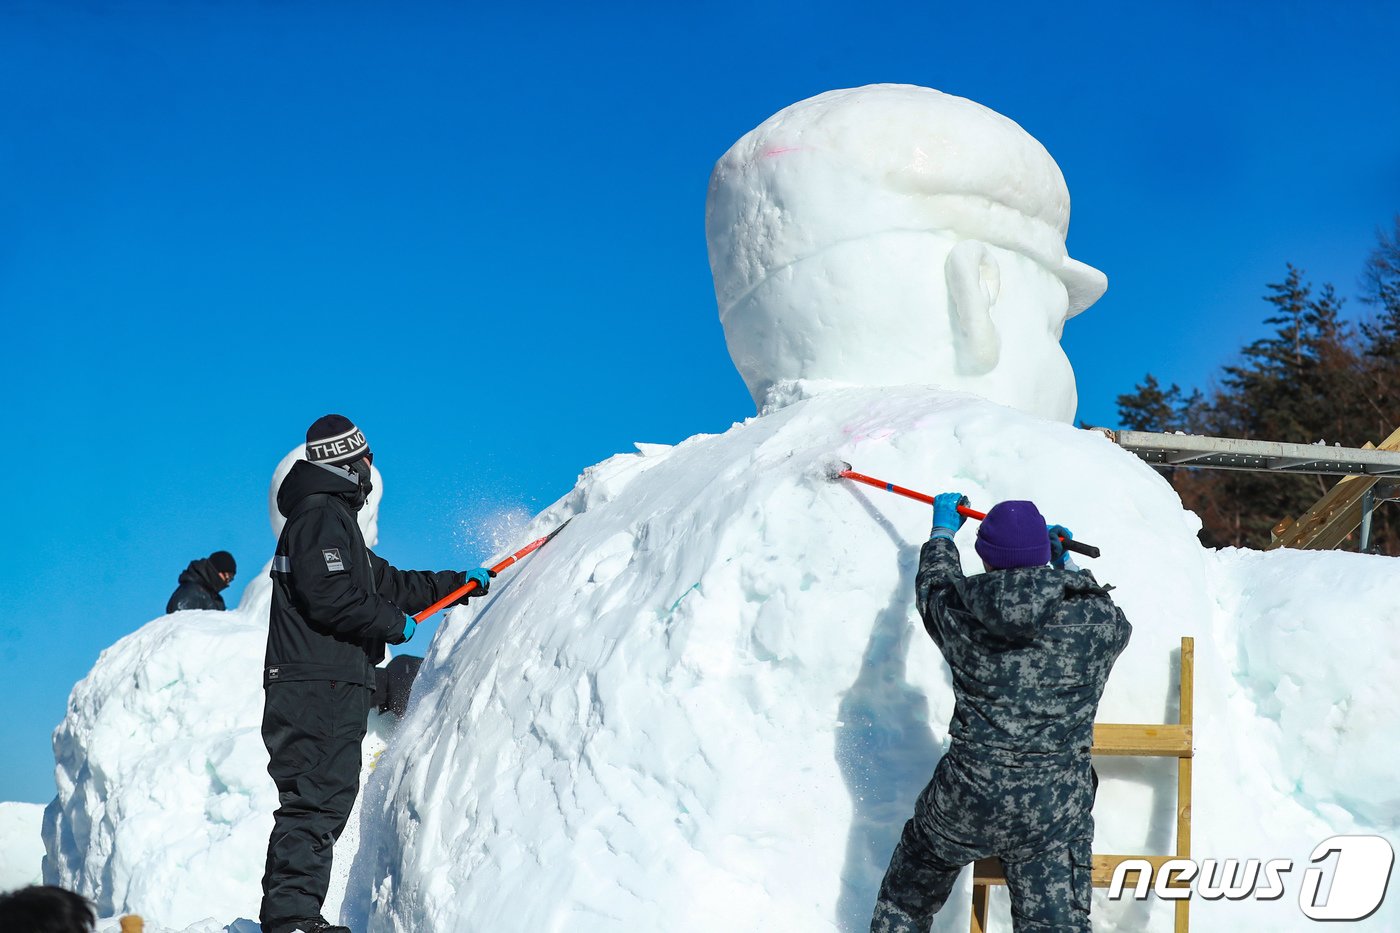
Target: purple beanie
1013	535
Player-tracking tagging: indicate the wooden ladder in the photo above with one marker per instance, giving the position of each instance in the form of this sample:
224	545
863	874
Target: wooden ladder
1170	740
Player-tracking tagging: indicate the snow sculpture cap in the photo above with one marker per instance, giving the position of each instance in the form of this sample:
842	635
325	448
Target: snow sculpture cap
858	165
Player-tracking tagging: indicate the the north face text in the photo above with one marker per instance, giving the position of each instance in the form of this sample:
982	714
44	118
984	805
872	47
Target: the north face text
336	449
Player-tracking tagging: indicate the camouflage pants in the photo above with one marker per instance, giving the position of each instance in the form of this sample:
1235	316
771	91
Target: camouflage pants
1037	815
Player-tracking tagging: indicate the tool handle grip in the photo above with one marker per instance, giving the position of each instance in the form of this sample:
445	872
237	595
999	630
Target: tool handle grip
1079	547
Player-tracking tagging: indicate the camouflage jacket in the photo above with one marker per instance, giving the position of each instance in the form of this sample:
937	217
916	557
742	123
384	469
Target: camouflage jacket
1030	650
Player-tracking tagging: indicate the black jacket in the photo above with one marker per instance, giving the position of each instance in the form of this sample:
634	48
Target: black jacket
334	603
199	588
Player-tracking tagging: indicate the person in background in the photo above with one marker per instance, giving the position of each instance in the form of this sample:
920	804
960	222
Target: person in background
45	909
1030	644
335	603
202	582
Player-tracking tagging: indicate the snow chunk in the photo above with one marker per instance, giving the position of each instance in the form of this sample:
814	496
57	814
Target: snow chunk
21	846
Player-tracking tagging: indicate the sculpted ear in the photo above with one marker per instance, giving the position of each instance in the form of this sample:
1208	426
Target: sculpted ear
974	280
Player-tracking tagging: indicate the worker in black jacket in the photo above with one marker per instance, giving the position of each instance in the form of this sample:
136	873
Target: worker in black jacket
335	604
202	582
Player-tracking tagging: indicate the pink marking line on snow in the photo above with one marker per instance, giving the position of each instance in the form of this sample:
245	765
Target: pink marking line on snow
779	151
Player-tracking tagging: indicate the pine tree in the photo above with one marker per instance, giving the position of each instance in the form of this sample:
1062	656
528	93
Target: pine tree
1282	389
1311	378
1380	288
1149	407
1298	383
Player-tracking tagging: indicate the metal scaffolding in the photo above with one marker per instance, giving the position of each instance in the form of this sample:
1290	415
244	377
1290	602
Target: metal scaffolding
1373	476
1229	453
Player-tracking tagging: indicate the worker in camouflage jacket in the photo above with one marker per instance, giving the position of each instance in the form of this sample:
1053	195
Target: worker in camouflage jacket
335	603
1030	644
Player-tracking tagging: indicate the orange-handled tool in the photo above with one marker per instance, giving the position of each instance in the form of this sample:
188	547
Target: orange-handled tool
844	471
470	585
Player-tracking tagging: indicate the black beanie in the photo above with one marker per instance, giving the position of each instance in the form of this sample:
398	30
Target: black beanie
223	562
334	439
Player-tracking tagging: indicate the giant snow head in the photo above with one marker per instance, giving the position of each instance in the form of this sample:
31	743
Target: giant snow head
893	235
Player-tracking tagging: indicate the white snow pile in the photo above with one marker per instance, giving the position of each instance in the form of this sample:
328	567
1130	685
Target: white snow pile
709	704
21	848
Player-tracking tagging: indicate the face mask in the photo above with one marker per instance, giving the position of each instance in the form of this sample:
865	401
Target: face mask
361	470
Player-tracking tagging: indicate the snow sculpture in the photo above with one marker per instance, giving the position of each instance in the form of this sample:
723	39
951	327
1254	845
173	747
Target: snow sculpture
896	235
709	703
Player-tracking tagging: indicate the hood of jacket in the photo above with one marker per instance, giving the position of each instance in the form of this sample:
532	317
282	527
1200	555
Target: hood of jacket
1015	604
310	479
202	573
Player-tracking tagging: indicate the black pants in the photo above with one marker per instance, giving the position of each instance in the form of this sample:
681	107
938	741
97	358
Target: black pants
313	731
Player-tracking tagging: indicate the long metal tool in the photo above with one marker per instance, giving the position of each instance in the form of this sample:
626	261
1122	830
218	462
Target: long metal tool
470	585
843	470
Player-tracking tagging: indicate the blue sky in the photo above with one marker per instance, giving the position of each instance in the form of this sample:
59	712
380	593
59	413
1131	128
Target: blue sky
478	231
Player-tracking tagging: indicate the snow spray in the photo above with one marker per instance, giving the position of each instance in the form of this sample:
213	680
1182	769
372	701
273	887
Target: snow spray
495	531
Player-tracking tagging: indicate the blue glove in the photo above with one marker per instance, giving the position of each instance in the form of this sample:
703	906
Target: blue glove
483	577
1059	556
409	627
946	517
